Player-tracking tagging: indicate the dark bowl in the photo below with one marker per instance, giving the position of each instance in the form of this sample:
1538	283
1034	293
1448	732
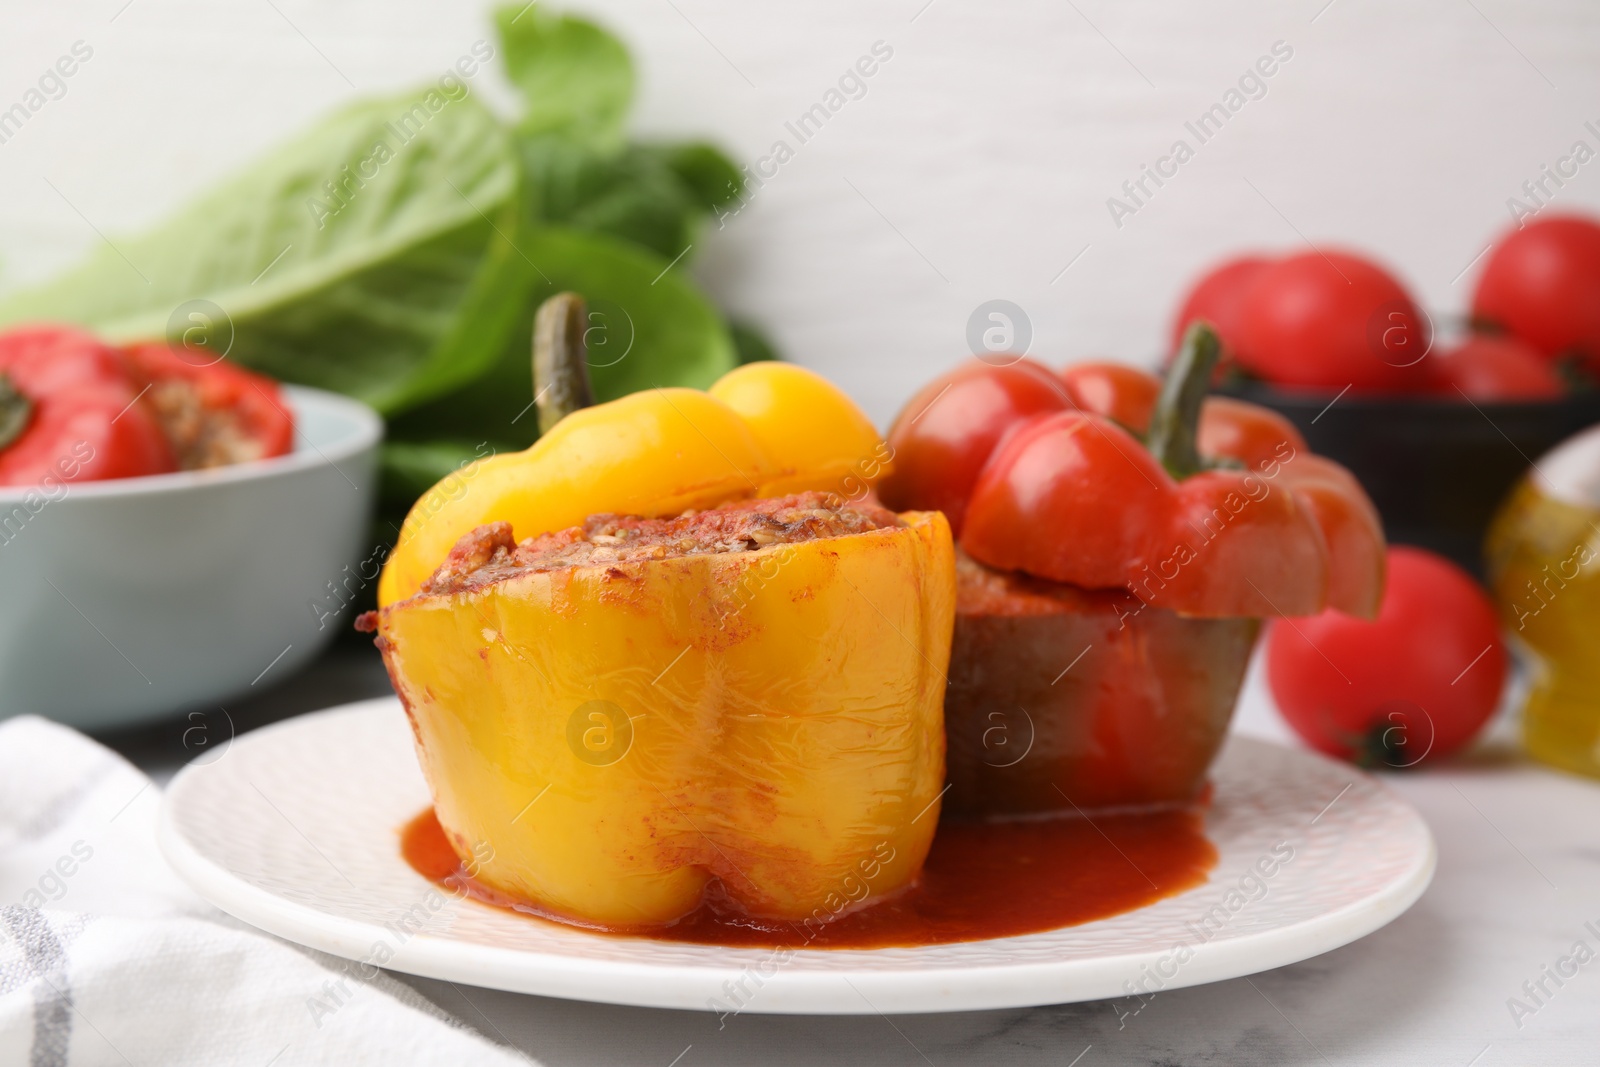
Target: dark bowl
1436	468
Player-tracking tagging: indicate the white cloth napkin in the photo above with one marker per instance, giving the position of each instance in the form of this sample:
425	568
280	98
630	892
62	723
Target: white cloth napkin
106	957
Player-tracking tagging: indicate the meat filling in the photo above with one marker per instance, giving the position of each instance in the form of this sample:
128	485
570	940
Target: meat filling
491	554
201	436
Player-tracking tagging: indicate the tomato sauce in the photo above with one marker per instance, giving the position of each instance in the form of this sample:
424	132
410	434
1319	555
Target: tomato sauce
982	880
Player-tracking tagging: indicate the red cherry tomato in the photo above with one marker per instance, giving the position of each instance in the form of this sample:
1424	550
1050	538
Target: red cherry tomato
945	434
1416	683
1494	367
1218	298
1542	283
87	420
1331	320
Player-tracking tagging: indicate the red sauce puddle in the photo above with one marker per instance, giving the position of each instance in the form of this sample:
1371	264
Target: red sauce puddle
982	880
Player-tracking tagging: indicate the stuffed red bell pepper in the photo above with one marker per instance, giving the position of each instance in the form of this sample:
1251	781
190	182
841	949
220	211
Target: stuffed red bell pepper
68	412
1124	536
214	412
75	409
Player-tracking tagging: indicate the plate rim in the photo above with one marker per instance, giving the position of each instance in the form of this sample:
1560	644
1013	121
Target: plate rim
862	990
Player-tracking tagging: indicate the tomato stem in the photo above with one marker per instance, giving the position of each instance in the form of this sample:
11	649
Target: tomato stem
15	411
1175	422
560	359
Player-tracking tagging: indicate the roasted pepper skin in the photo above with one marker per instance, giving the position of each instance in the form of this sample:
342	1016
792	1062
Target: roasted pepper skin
622	735
757	432
1135	721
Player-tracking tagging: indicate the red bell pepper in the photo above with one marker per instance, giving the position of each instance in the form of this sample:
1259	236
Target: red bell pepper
1102	512
1109	479
1063	697
214	412
68	412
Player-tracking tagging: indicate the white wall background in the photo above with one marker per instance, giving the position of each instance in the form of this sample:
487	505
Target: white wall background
977	165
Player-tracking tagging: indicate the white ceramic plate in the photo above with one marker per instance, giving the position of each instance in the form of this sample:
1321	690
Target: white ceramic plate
294	829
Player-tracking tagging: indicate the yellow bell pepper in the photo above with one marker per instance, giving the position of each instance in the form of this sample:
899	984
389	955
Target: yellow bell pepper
755	721
622	733
816	437
763	429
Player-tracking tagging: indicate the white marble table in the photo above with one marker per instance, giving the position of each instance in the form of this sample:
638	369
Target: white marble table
1518	879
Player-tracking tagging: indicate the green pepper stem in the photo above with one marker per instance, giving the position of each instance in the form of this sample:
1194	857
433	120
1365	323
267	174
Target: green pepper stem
15	411
560	359
1175	422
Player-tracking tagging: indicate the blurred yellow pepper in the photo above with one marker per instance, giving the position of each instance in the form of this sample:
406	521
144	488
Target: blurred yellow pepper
1543	557
763	429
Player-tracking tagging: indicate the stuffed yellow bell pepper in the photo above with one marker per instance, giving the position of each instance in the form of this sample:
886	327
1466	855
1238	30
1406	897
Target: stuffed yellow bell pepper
739	706
762	429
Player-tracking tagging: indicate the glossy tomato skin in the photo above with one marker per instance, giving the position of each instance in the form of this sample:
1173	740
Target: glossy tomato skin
1351	531
1542	283
1045	505
89	422
1126	395
1238	555
1070	493
1330	320
1494	367
1253	435
1416	683
1218	298
1236	429
946	433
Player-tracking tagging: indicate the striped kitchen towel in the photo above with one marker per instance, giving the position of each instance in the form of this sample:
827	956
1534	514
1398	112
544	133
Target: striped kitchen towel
107	958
